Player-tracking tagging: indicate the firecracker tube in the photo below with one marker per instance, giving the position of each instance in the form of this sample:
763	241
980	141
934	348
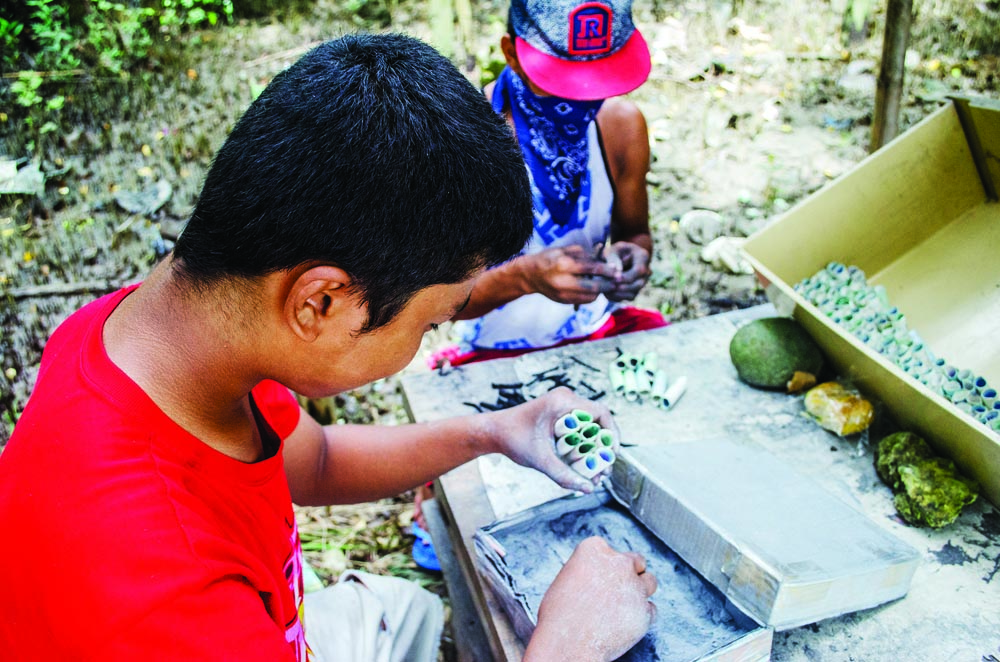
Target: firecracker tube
650	362
590	431
593	463
579	451
631	387
624	363
617	377
643	381
675	392
568	442
572	422
659	386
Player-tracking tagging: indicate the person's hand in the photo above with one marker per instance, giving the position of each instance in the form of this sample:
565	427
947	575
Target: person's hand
526	434
617	583
568	274
634	260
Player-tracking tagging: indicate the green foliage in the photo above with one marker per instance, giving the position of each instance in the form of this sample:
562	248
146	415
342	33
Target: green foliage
56	41
78	225
108	37
25	89
857	15
369	13
491	62
10	33
185	14
93	41
117	35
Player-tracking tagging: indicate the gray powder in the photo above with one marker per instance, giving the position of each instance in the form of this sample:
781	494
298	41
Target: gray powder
692	619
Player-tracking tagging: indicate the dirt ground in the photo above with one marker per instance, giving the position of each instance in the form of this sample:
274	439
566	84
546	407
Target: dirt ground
749	111
751	107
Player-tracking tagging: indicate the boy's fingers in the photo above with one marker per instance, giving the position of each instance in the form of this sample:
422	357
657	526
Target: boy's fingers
638	562
595	283
576	482
647	580
566	477
649	583
592	267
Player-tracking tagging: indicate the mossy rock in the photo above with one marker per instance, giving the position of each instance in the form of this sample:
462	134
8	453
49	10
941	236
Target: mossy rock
929	490
767	353
933	493
896	450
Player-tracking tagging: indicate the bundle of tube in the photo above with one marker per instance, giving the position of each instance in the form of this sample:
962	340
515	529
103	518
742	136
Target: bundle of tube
583	444
843	294
634	377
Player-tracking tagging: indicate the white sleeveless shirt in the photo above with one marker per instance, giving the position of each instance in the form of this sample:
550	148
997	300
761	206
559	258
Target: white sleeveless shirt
534	320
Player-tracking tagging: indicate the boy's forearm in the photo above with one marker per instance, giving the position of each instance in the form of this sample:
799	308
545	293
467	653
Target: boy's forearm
357	463
365	462
496	287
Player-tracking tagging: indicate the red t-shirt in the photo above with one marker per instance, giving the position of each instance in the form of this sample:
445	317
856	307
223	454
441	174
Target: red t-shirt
126	538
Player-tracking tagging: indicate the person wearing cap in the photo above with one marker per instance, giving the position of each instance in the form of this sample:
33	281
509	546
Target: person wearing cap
587	154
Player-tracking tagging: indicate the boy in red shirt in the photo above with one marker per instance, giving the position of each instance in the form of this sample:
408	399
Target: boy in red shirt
146	493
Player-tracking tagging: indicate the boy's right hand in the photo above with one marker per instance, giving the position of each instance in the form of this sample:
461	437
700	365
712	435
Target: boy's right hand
606	589
568	274
526	434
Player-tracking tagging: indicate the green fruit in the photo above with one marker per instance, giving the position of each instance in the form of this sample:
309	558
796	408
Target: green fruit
767	352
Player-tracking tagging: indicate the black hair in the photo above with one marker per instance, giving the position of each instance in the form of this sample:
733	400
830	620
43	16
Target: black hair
372	153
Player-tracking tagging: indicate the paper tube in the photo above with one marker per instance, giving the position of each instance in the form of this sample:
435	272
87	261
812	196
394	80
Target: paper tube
593	464
568	442
659	385
572	422
631	388
579	451
675	392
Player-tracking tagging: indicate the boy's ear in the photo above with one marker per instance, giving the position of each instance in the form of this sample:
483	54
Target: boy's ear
315	297
510	53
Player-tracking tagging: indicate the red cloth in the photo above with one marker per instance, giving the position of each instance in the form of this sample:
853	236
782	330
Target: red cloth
126	538
622	320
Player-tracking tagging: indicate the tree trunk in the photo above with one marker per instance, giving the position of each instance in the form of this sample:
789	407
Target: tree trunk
889	91
442	20
463	11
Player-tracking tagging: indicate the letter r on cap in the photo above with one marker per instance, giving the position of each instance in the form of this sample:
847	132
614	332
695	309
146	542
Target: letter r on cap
590	29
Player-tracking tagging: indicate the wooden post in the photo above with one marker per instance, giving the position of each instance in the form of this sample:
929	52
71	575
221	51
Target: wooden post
889	91
463	11
442	20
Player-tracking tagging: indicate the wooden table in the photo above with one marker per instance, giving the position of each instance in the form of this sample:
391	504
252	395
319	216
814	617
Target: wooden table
952	610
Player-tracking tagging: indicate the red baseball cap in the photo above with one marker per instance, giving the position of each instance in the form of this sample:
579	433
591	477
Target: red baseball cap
577	49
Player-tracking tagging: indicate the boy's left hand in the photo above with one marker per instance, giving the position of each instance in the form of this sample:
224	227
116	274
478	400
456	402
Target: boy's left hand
526	434
635	270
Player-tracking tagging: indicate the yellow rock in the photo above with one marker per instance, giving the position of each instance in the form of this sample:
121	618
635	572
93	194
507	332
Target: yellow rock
838	409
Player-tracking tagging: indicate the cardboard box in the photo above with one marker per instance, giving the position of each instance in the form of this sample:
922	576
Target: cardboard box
920	217
520	557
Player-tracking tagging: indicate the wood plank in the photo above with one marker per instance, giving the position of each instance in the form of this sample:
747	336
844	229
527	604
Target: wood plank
471	643
466	507
462	498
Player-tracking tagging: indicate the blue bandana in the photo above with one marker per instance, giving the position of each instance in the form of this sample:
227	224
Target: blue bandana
553	136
